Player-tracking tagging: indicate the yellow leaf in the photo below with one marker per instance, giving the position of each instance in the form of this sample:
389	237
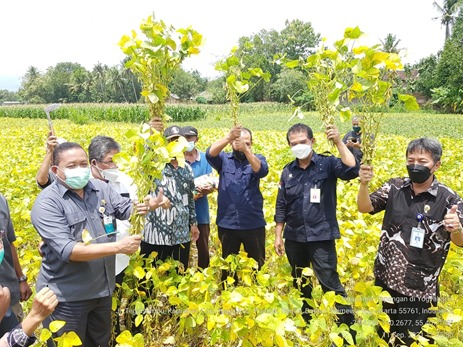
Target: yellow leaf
138	320
72	338
45	334
56	325
139	272
124	338
86	237
338	341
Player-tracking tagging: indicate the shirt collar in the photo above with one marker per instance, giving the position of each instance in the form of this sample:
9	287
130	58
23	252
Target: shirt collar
198	156
62	189
431	190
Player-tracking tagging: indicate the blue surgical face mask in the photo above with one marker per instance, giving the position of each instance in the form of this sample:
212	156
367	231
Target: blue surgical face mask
191	146
77	178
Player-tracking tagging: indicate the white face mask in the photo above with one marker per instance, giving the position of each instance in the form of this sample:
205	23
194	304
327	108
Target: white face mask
301	151
110	174
191	146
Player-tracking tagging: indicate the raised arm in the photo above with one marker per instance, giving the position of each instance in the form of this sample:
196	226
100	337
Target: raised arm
332	133
219	145
363	198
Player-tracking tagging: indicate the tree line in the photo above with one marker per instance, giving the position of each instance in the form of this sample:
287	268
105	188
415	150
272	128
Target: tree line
438	77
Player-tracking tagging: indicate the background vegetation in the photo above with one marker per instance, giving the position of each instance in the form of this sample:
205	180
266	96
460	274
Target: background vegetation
263	308
436	79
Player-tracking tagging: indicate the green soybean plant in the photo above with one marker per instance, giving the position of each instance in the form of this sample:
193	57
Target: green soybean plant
155	58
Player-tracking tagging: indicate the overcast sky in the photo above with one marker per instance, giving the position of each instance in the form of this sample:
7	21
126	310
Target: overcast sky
46	32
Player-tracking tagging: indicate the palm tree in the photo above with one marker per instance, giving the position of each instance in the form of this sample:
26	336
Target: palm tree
390	44
448	13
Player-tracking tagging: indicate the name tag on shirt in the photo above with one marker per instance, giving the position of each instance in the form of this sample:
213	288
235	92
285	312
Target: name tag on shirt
417	238
315	195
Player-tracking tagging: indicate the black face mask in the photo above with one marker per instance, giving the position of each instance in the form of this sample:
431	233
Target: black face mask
239	155
418	173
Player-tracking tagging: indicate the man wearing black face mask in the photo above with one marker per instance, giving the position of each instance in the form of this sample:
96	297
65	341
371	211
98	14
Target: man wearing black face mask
240	216
422	216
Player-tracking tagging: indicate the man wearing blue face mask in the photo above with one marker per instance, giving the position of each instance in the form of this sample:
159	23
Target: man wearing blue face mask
201	168
306	212
422	218
78	250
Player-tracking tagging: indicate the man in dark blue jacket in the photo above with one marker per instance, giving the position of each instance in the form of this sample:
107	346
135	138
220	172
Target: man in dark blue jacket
240	216
306	211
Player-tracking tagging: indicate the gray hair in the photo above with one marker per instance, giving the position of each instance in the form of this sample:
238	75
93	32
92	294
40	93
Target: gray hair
424	144
100	146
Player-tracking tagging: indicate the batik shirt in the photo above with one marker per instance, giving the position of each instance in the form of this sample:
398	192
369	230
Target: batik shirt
409	270
172	226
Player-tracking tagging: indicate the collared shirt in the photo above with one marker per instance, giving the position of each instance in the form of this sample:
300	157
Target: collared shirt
60	215
7	272
409	270
358	154
172	226
239	201
124	186
201	167
304	220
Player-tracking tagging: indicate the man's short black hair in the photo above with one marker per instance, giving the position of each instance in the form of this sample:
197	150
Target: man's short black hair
64	147
424	144
299	128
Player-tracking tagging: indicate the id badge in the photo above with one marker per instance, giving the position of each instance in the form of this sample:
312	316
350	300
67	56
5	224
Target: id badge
315	195
108	224
417	237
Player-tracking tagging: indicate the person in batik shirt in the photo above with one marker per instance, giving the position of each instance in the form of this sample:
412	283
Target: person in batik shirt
422	217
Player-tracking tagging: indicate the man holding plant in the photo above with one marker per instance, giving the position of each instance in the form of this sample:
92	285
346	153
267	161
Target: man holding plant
170	229
422	217
306	212
201	170
78	251
353	139
240	216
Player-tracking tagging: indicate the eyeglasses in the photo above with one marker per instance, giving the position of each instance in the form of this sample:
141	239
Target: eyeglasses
109	162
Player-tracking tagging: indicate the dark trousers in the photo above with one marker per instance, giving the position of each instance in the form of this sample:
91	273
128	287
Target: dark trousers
202	244
179	252
253	241
322	257
406	314
89	319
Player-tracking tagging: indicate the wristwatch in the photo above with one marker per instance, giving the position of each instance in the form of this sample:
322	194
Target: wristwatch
23	278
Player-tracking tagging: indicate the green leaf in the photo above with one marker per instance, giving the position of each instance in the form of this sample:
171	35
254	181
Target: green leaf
138	320
291	64
353	33
409	102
